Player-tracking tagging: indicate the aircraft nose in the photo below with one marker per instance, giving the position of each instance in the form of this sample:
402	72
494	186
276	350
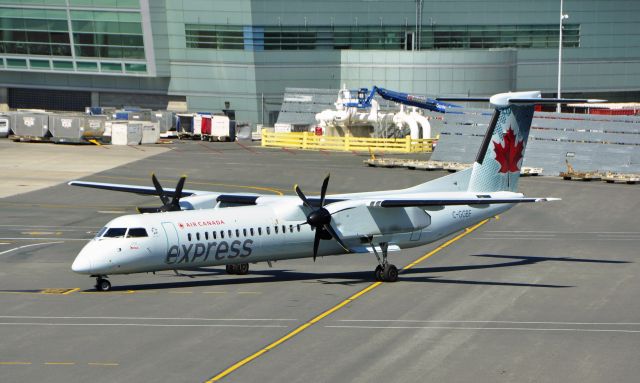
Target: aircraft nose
81	265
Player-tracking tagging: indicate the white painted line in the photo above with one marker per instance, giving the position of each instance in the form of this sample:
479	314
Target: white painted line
563	232
147	318
563	238
31	245
42	238
495	321
50	226
112	212
485	328
141	325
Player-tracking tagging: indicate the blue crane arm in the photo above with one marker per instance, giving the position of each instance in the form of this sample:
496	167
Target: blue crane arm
364	99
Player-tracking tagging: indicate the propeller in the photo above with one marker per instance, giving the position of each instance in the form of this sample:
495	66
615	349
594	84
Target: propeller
320	219
168	204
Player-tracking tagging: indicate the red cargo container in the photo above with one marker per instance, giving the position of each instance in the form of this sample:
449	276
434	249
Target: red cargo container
206	125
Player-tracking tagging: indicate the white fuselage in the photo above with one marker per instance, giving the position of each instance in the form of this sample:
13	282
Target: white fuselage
249	234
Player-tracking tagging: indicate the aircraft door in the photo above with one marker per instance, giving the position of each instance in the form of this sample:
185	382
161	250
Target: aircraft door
171	234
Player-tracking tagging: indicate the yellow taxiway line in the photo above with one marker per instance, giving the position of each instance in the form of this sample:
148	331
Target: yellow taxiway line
337	307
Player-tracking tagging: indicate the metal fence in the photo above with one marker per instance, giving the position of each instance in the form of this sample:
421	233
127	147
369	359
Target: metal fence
589	142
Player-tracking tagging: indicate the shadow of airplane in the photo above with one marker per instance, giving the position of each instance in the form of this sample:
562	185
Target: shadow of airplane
360	277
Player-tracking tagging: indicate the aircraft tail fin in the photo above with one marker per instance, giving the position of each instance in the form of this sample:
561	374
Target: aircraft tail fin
497	165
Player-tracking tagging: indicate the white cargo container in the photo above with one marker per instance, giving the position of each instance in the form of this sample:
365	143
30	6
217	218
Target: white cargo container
4	126
126	133
150	133
283	128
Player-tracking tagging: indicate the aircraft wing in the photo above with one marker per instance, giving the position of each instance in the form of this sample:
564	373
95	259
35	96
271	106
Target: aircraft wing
412	201
142	190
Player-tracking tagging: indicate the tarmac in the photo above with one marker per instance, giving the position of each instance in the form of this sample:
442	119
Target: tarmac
544	293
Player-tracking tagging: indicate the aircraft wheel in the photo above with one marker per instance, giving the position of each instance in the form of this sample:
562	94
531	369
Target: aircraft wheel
390	273
103	284
231	269
242	269
378	273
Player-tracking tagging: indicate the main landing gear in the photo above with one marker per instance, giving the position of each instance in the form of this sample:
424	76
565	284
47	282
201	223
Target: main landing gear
102	284
238	269
385	271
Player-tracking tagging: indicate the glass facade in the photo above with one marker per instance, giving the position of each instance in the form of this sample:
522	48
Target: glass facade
106	39
260	38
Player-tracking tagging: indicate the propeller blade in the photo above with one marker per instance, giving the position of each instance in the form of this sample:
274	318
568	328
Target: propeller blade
335	236
323	191
300	194
159	189
175	206
316	244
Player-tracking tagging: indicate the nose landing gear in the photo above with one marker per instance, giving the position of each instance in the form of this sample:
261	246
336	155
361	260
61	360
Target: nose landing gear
102	284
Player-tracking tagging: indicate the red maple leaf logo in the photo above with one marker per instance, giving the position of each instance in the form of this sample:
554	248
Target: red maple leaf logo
510	154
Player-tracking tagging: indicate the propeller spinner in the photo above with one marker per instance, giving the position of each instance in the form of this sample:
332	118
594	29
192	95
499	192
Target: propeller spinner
320	219
168	204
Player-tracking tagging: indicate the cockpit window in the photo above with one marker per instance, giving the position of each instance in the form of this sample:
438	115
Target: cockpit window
115	232
101	232
137	232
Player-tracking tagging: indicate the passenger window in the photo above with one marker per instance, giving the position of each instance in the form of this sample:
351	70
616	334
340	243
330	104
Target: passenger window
268	230
206	235
189	236
198	236
244	232
259	231
230	233
115	232
214	235
276	229
251	231
237	233
290	228
221	233
137	232
298	228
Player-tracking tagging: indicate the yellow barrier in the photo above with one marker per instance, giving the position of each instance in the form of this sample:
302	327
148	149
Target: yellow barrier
309	141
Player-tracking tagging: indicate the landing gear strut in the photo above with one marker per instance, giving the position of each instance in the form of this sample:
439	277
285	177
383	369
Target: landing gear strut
102	284
385	271
239	269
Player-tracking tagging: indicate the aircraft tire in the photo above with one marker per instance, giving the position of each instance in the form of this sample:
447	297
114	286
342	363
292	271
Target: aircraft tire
378	273
390	273
242	269
103	284
231	269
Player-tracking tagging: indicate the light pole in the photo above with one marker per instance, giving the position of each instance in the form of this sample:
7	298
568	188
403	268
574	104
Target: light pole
562	17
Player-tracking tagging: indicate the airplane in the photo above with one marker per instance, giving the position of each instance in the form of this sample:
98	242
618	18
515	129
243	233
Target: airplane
194	229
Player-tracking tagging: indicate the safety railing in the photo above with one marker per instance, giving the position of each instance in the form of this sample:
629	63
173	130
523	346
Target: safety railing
309	141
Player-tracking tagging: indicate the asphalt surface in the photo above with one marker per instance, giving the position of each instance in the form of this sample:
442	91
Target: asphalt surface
546	293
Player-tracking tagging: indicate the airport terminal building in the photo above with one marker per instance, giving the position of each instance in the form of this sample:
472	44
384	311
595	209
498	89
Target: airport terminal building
199	54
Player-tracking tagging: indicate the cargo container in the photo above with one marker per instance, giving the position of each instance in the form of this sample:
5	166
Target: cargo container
150	132
166	121
199	119
126	133
31	126
4	126
76	128
222	129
